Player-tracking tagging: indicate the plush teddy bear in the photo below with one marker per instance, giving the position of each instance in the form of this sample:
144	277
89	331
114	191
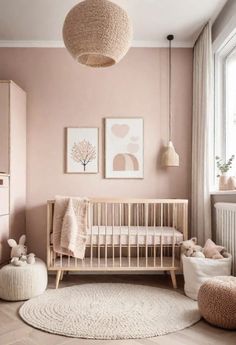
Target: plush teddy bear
190	248
19	255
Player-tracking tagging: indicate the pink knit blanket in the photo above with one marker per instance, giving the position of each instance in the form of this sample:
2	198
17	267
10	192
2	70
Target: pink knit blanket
70	226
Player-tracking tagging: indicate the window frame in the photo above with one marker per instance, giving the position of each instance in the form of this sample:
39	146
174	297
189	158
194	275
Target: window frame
220	110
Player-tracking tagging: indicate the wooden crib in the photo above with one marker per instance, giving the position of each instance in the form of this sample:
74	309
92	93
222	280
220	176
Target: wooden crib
126	235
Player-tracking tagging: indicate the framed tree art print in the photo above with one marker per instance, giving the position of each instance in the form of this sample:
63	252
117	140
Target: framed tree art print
124	148
82	150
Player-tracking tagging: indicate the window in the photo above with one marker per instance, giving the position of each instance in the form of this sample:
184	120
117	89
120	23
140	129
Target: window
230	105
225	104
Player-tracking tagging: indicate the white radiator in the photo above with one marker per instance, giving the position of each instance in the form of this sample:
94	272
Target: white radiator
226	228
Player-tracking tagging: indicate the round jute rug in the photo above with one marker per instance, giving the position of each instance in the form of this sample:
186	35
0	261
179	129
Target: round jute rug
110	311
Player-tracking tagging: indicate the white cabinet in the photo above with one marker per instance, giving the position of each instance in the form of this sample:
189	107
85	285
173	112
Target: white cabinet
12	164
4	128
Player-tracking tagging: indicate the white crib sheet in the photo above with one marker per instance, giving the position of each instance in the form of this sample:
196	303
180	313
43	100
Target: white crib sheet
103	235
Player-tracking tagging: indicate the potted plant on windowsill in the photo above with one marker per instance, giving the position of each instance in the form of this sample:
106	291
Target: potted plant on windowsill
223	168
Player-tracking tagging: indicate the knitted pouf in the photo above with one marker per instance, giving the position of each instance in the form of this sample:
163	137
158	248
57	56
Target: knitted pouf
217	301
19	283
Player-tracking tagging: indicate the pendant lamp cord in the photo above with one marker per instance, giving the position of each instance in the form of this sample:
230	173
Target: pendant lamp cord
170	100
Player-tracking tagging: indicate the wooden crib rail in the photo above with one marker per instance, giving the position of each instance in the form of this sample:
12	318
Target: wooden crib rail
133	201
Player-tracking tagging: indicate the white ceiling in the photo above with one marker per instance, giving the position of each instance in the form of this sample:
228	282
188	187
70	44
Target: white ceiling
39	22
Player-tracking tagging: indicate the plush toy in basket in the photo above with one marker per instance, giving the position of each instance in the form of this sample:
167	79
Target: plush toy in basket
200	264
19	255
210	250
190	248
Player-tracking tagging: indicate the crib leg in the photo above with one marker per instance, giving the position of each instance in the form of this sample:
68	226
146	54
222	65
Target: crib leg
58	278
173	279
62	274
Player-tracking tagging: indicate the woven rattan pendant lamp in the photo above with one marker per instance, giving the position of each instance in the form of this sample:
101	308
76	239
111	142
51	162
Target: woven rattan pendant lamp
97	33
170	158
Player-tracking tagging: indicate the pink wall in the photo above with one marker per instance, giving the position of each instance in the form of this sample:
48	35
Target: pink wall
61	93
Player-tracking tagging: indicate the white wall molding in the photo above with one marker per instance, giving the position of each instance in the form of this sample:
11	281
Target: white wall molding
60	44
31	44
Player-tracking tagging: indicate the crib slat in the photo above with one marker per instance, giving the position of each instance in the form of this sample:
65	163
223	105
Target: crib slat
113	248
161	240
227	227
99	223
154	226
120	235
129	235
49	229
54	258
173	241
170	223
137	235
90	226
168	215
146	228
106	234
223	225
49	257
185	222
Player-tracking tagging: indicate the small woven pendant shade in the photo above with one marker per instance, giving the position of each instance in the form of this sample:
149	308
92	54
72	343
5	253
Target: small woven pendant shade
169	157
97	33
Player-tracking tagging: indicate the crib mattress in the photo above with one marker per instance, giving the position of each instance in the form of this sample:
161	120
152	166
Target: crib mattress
103	235
119	235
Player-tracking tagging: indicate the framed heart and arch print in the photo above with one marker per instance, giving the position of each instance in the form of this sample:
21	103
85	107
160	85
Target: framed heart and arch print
124	148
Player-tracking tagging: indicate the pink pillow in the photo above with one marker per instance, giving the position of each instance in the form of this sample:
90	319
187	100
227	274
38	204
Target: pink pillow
212	251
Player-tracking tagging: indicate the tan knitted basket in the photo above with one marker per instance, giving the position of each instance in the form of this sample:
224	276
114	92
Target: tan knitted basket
97	33
217	301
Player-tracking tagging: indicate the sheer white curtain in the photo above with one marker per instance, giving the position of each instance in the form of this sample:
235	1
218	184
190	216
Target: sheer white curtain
201	134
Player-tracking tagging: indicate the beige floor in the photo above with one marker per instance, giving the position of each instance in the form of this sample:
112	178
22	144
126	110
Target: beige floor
13	331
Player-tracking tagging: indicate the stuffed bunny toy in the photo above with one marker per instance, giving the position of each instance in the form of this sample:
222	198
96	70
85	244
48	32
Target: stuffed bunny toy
19	255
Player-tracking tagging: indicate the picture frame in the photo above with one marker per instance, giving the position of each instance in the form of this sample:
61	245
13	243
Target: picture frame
124	148
82	150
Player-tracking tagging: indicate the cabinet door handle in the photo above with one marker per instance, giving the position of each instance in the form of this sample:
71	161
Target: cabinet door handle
1	182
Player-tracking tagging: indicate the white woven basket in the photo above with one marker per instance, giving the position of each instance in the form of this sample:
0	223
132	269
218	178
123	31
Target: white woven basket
198	270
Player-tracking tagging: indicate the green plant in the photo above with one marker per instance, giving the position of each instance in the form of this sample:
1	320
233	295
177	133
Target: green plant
223	167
